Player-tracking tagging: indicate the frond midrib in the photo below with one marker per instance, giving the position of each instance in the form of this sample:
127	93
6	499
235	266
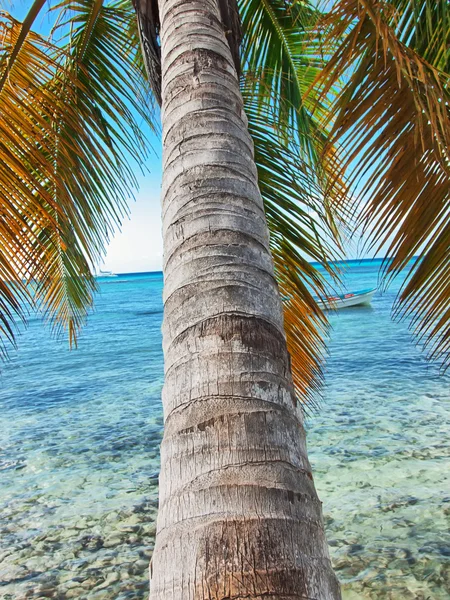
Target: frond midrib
284	42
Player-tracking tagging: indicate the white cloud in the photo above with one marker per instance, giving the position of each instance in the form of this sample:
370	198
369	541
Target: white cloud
138	246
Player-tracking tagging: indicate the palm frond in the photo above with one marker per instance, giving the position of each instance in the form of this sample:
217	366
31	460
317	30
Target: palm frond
424	26
393	116
25	67
281	58
71	119
10	57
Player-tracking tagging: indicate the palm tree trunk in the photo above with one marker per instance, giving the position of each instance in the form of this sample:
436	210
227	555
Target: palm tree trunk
239	516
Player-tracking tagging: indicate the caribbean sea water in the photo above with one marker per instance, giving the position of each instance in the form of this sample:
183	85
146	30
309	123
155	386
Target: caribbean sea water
80	432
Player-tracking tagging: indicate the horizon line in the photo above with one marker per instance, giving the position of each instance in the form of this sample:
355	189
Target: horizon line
334	262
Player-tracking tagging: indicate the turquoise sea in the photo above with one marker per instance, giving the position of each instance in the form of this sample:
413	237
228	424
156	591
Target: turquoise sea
80	431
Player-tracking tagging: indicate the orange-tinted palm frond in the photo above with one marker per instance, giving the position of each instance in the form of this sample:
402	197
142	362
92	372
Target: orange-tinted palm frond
71	120
423	25
26	225
393	116
305	324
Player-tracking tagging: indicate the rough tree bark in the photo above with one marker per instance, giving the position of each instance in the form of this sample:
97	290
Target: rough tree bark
239	517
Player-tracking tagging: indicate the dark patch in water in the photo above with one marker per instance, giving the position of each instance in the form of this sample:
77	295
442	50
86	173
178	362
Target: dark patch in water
16	465
156	311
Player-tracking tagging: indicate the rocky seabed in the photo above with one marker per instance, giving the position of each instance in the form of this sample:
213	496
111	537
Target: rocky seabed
108	558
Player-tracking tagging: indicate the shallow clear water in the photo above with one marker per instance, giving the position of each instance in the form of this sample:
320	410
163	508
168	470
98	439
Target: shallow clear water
79	437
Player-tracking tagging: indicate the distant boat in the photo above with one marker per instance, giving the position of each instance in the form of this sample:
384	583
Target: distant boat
106	274
347	300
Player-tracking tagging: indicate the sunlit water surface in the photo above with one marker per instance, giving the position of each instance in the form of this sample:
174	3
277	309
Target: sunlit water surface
80	431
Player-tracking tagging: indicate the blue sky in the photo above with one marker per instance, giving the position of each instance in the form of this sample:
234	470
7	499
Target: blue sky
138	245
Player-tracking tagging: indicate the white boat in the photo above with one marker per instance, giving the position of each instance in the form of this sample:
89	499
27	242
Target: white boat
347	300
106	274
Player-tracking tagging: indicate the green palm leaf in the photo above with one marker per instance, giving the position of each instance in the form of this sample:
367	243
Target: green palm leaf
304	206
